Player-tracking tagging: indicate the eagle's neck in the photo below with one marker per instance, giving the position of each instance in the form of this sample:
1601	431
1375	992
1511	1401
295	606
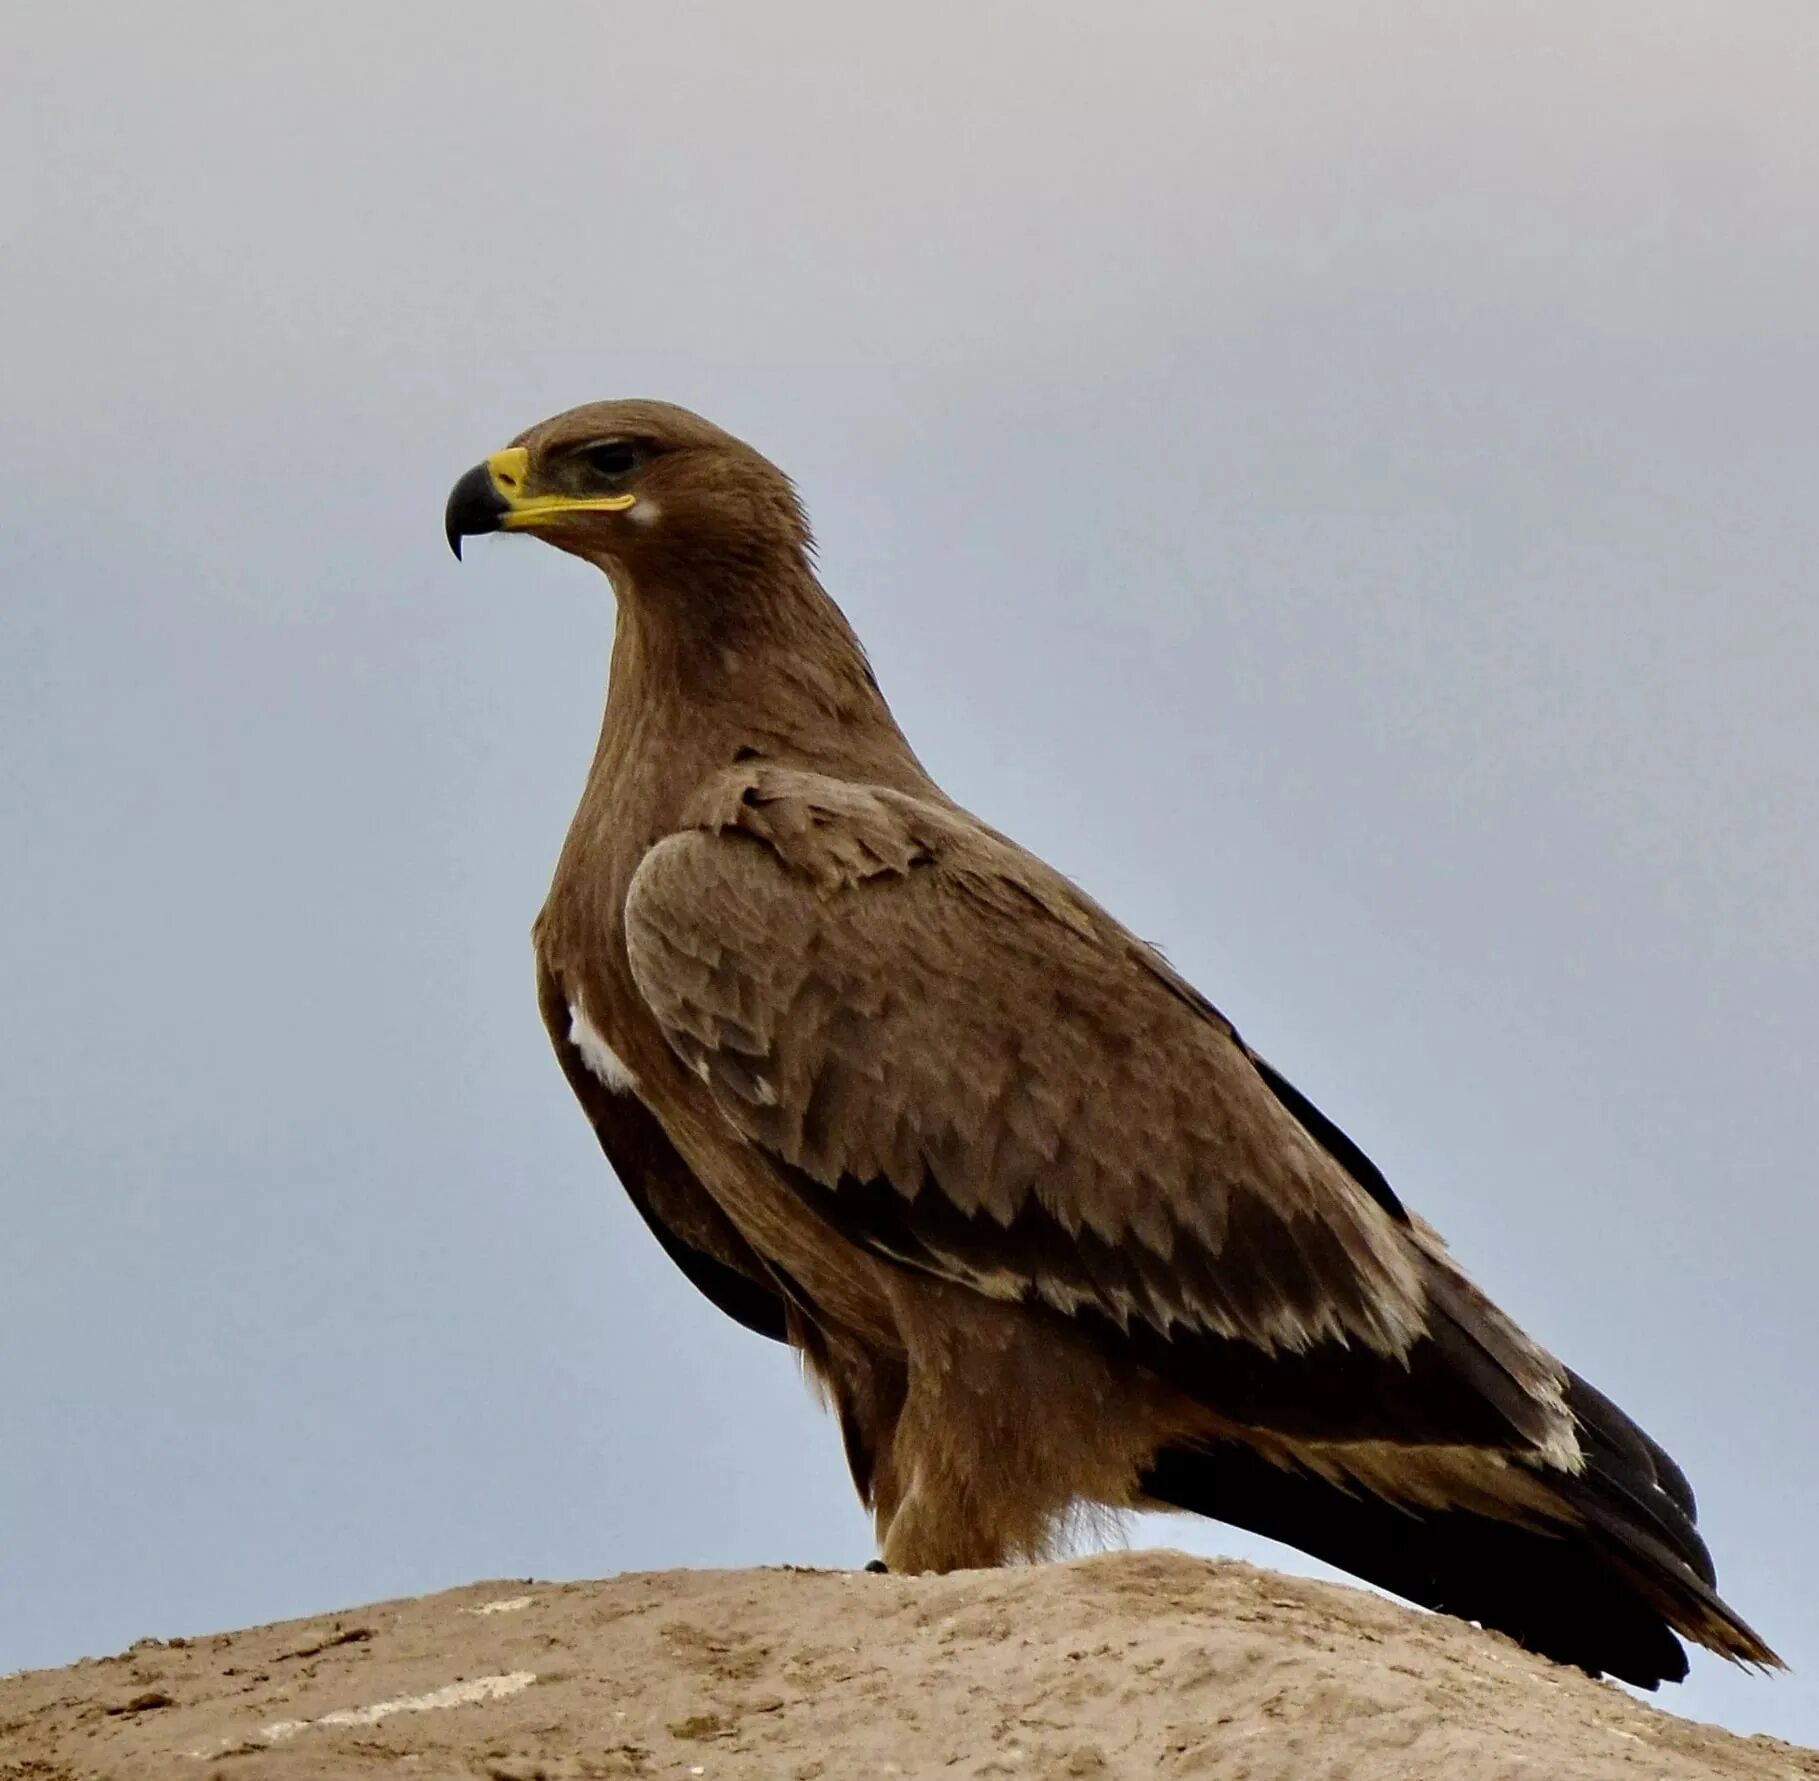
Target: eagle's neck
706	676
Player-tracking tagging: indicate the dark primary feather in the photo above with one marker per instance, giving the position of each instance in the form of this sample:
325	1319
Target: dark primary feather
1331	1139
1544	1589
1606	1596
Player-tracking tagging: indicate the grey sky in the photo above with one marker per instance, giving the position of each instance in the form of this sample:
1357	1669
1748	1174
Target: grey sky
1338	479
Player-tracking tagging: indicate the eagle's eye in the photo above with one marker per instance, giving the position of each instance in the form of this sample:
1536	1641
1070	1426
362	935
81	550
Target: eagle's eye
613	457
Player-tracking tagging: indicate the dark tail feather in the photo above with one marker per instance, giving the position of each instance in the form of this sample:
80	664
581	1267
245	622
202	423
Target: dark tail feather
1608	1595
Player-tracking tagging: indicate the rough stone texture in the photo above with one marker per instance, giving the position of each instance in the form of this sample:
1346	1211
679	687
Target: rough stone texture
1138	1665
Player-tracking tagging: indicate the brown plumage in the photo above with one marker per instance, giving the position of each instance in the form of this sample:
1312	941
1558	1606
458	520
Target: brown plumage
1044	1230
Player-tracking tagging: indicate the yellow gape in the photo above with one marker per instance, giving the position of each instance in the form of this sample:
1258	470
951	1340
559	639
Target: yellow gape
507	470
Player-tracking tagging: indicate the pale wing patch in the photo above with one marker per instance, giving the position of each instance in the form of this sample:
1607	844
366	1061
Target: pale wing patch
1476	1479
599	1057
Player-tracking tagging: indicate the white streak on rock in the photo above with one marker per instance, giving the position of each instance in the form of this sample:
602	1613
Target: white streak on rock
456	1694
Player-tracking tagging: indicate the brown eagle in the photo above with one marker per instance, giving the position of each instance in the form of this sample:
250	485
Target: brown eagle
1044	1230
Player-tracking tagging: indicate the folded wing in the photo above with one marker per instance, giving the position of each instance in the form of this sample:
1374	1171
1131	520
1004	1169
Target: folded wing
969	1068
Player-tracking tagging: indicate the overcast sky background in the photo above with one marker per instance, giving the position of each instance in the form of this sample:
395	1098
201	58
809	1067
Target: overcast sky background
1338	479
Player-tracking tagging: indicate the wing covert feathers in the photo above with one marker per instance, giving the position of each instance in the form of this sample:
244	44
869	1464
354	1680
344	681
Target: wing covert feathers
973	1070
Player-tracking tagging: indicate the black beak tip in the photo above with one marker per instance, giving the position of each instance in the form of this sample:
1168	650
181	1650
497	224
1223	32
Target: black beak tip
474	506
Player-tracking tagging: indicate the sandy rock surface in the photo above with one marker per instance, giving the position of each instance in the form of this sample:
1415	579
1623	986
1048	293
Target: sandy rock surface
1133	1665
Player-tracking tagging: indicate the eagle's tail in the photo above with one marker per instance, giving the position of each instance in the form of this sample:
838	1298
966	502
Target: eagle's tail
1607	1592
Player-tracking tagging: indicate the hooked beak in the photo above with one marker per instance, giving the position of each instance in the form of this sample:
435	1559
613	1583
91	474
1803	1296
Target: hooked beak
475	505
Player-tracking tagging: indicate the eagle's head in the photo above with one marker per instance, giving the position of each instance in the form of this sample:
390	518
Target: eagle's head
635	486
